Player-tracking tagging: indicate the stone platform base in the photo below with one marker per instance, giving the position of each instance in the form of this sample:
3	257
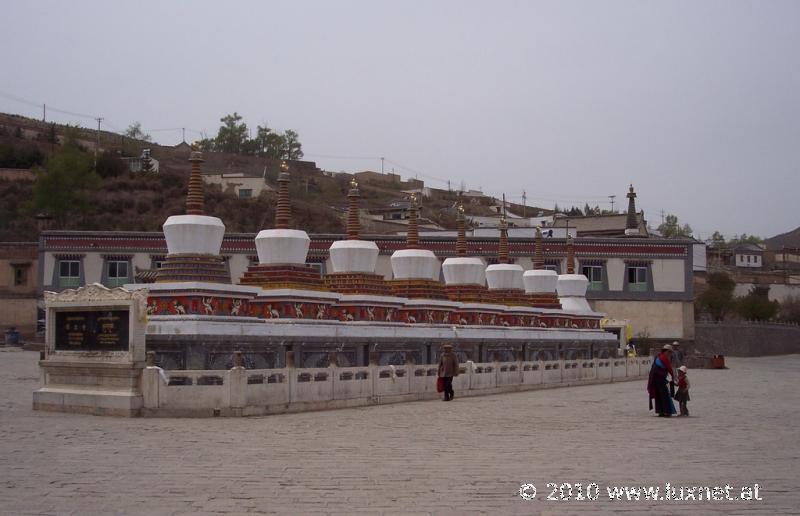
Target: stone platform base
88	400
89	387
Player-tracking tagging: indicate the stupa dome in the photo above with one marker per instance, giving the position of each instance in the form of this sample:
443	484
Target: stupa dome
464	270
572	292
282	246
415	264
354	256
194	234
540	281
504	276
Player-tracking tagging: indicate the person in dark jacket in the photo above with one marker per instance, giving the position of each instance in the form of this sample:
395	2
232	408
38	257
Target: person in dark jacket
448	368
657	385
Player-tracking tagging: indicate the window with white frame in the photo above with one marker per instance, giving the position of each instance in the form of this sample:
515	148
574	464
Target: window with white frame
245	193
117	273
637	278
594	273
69	273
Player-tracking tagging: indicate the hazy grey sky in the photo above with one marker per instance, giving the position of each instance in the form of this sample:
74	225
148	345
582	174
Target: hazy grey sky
697	103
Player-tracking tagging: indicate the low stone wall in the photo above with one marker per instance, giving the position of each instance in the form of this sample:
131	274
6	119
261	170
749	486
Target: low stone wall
250	392
746	339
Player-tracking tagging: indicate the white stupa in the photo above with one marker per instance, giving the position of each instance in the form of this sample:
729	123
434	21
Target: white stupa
194	240
462	269
504	275
413	263
572	287
539	281
282	246
353	255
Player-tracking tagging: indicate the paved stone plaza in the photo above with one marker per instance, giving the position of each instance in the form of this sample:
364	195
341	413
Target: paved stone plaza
468	456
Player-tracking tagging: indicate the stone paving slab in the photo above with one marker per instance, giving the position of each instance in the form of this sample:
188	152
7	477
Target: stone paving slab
469	456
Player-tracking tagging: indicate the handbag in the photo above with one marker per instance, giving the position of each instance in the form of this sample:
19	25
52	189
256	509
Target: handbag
439	384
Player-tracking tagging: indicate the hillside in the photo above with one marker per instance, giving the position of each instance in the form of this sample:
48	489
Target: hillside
788	239
142	201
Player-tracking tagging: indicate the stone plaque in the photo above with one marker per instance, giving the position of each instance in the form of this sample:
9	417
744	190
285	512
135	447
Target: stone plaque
96	330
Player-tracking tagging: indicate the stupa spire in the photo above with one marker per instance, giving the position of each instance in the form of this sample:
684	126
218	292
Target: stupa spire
353	225
194	199
538	252
412	236
283	210
631	223
570	255
461	241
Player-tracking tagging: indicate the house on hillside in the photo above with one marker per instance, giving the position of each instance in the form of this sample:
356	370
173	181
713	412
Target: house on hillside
241	184
144	163
612	224
748	256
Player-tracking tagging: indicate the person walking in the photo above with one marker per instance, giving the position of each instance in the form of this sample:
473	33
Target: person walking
677	356
683	390
448	368
657	386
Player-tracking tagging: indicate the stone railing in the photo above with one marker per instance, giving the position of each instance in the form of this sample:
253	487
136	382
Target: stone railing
250	392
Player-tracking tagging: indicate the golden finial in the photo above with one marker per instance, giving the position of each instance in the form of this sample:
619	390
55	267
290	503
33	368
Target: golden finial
353	183
284	166
414	198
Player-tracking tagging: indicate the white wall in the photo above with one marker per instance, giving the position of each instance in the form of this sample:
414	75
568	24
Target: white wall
615	268
777	292
668	275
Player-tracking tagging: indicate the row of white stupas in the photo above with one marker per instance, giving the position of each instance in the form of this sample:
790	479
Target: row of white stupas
199	234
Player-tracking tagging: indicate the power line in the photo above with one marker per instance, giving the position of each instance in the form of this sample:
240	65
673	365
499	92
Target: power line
40	104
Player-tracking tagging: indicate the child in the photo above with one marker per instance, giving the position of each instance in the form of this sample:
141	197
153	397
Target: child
683	390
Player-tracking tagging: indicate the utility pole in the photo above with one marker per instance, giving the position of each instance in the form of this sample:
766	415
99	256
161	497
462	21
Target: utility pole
183	134
612	197
662	216
44	112
382	158
97	144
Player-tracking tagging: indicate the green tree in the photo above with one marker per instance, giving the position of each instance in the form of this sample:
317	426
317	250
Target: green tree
231	135
109	165
63	184
671	228
717	300
207	144
135	131
717	239
744	238
293	149
267	143
790	309
756	306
